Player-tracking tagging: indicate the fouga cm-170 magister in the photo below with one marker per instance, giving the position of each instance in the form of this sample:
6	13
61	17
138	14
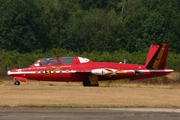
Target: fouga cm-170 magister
73	69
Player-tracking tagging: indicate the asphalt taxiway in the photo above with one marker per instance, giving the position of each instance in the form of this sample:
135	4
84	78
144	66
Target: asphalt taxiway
29	113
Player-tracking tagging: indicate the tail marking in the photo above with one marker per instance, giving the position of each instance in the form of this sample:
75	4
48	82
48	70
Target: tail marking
158	59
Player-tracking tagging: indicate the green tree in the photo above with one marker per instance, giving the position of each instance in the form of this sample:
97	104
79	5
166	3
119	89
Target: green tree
87	4
93	30
21	27
2	2
56	16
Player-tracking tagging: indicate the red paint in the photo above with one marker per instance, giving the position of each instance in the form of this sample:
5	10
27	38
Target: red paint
22	79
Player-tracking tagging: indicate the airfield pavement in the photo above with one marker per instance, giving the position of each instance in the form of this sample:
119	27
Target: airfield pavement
89	114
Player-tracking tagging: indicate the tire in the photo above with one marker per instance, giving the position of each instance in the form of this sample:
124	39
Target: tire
86	83
16	83
95	85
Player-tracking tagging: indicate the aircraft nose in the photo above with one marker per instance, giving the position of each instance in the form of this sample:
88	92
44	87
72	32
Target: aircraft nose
9	72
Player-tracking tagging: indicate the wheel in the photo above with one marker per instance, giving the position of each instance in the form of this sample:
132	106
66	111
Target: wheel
86	83
95	85
16	83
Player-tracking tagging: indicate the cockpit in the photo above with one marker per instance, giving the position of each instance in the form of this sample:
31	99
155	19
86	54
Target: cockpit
60	61
53	61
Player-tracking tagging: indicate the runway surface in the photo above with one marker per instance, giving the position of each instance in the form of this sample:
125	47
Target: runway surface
13	113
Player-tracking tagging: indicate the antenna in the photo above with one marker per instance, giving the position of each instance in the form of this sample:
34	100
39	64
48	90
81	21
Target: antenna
124	61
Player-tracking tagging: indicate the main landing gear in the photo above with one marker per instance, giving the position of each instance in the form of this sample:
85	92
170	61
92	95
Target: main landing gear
16	82
93	81
88	83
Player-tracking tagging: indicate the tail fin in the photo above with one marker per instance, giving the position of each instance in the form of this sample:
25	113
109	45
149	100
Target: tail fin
157	56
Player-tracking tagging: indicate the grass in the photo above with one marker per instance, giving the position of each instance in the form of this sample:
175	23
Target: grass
49	94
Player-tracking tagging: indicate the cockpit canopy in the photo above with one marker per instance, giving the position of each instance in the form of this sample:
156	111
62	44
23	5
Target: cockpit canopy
60	61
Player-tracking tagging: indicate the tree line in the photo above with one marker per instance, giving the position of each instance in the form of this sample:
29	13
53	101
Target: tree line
88	26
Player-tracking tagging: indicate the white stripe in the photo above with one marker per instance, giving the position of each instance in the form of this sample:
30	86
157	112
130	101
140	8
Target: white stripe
10	73
34	72
155	70
73	71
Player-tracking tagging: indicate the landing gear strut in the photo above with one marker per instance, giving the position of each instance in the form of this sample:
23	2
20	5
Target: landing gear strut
16	82
93	81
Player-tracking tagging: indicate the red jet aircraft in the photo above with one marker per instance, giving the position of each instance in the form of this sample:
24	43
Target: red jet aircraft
73	69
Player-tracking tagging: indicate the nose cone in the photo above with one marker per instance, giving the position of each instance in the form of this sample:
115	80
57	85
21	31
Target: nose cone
13	71
9	72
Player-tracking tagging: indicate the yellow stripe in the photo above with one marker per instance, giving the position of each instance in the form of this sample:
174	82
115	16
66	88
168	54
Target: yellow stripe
109	72
159	57
120	72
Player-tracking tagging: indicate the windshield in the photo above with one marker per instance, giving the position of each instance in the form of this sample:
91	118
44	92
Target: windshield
37	63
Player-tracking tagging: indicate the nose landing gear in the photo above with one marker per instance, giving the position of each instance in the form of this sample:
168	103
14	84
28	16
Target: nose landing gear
16	82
